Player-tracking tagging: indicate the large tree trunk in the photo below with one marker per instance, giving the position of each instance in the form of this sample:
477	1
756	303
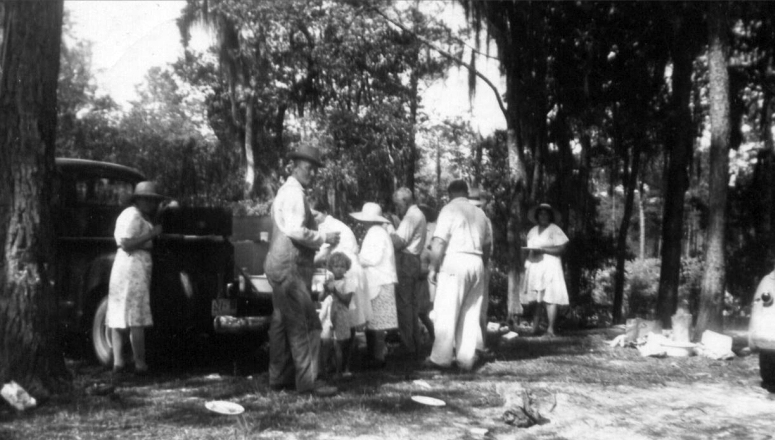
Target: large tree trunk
680	143
713	277
29	349
517	168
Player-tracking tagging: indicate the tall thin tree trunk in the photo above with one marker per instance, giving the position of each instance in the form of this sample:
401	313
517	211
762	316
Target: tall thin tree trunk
250	141
29	349
680	141
621	240
642	221
714	275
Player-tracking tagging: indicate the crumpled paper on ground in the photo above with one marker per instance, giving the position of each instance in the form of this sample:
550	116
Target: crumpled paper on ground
653	346
715	346
17	397
711	353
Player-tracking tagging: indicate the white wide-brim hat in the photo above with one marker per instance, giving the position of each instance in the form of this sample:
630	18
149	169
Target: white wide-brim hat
371	212
531	214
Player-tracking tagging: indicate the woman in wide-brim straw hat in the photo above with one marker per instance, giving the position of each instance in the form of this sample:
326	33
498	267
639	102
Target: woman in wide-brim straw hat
544	281
129	305
377	258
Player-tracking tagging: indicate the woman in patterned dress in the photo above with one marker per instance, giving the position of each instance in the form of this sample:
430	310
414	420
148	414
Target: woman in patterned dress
129	304
544	281
377	258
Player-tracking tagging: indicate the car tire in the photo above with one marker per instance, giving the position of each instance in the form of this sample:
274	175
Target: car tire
767	368
100	334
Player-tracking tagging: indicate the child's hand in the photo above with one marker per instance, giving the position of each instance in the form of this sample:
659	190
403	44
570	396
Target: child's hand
329	285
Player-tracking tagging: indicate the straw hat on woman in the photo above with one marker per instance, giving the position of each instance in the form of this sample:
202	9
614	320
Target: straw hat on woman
377	257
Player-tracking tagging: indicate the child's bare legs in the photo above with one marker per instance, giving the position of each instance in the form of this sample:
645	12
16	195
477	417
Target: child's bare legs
344	349
337	358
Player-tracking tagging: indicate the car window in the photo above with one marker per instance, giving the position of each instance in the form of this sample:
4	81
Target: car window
102	191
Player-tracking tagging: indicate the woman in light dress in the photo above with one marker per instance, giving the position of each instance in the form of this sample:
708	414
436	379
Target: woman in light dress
544	281
377	257
129	299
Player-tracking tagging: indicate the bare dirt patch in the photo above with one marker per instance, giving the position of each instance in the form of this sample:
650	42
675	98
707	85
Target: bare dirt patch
583	387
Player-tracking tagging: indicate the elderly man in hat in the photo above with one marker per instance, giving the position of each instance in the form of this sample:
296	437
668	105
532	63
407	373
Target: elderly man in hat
294	334
460	250
408	240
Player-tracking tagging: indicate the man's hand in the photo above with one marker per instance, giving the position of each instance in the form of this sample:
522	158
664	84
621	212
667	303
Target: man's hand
432	276
332	238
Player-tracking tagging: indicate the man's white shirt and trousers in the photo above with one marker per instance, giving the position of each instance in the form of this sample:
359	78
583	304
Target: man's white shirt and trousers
460	283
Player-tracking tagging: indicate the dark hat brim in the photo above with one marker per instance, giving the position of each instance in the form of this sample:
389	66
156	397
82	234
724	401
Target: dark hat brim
532	213
308	157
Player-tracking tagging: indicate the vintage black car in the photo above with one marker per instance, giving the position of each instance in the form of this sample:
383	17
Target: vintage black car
196	289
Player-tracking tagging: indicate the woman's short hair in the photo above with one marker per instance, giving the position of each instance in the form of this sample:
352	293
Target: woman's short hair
339	258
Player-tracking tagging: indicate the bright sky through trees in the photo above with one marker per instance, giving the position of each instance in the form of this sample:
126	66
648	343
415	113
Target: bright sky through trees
129	37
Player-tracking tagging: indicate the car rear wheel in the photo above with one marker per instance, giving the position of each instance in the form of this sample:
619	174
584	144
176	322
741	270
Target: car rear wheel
100	334
767	368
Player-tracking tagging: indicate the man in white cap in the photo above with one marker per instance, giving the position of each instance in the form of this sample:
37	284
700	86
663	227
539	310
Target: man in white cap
408	240
294	334
459	254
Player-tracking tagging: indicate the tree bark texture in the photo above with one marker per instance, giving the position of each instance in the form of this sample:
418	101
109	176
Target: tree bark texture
517	178
29	349
763	174
624	229
714	275
642	221
680	142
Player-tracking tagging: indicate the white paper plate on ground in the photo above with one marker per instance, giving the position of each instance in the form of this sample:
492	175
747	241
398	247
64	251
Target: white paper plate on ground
224	407
430	401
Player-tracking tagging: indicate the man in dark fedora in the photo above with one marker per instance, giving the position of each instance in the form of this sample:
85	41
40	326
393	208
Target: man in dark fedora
294	334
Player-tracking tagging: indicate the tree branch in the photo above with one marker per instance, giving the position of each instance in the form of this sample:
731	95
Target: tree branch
448	55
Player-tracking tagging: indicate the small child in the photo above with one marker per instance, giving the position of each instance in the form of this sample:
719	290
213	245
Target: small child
338	292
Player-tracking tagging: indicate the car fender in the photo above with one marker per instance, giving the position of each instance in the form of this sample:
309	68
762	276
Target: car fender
95	284
761	329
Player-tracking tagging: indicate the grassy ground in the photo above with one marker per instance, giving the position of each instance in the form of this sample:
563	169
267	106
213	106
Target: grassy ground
585	389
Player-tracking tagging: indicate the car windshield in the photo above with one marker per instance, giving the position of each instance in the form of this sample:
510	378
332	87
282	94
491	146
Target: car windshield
102	191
